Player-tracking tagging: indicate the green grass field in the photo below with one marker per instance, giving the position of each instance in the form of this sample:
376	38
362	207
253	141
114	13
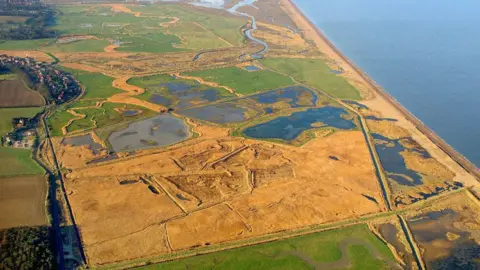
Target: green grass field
59	119
101	117
242	81
18	162
196	37
316	73
226	28
87	45
8	76
6	115
97	85
304	252
35	44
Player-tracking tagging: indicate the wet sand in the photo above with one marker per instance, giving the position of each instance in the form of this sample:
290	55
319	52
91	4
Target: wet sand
379	100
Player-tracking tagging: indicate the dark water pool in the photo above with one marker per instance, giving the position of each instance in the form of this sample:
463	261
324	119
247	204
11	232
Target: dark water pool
290	127
296	96
174	87
393	163
160	99
185	95
130	112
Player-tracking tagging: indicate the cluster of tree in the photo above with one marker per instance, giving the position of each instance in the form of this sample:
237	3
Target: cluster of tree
40	18
27	248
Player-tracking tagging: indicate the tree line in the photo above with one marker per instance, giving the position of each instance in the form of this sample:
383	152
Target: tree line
40	18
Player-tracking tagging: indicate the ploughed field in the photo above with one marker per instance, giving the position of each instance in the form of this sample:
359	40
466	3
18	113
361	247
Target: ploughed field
184	143
15	92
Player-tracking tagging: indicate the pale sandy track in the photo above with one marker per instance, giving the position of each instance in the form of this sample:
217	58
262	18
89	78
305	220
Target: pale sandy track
110	48
169	23
78	116
211	84
130	92
122	8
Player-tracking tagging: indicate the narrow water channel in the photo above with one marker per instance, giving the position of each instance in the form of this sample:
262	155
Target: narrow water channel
248	33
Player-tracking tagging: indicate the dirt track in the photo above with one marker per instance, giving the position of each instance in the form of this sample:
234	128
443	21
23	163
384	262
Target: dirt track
128	96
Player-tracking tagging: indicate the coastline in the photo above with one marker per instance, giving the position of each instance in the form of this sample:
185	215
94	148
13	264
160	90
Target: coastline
365	84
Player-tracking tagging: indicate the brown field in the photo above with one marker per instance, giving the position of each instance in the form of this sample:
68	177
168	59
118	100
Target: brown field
387	129
22	201
39	56
15	93
241	188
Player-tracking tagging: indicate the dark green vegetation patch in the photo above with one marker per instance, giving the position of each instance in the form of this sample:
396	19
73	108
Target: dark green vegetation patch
243	81
27	248
96	85
18	162
355	247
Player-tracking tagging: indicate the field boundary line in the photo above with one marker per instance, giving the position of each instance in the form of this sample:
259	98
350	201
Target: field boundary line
411	241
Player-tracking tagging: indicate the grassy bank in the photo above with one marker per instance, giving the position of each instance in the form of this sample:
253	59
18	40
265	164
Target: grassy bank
18	162
243	81
316	73
321	250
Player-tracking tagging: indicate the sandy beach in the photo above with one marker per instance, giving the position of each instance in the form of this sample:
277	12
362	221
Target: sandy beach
379	100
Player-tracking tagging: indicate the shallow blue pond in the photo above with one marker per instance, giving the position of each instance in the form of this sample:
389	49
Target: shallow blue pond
217	113
157	131
290	127
252	68
290	94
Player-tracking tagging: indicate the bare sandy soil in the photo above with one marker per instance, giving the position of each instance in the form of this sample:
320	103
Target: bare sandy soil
121	8
281	37
219	190
22	201
128	96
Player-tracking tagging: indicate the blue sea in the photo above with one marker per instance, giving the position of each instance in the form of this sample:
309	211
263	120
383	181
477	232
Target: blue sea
424	53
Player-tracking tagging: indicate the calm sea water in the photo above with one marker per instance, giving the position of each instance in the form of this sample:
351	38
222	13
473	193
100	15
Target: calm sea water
424	53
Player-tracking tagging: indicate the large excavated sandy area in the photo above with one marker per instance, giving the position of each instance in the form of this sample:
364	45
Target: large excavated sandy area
217	190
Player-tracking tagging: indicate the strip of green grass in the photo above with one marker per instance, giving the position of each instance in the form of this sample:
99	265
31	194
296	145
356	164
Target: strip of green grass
6	115
104	116
322	247
24	44
243	81
18	162
58	120
316	73
87	45
97	85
